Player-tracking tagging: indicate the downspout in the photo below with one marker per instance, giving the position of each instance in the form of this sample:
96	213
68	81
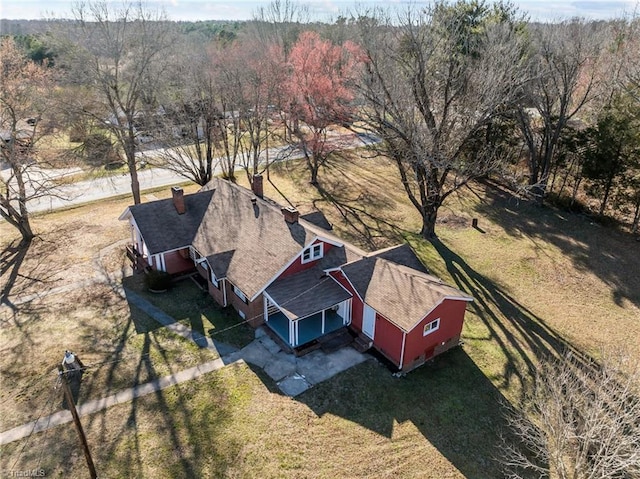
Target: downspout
404	340
265	307
224	292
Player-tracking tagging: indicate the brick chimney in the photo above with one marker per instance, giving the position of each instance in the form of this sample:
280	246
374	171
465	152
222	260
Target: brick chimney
178	199
290	214
256	186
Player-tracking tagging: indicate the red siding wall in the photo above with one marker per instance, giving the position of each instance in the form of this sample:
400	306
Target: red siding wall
217	293
175	262
298	266
420	348
356	304
253	311
388	339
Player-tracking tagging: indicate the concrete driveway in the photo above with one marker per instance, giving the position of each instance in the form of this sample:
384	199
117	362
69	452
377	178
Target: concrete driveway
292	374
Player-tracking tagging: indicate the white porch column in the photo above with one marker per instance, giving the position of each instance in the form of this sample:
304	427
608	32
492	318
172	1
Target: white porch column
292	333
266	307
323	313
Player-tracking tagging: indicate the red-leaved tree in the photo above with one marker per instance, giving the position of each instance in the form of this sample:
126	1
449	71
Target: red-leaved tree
318	93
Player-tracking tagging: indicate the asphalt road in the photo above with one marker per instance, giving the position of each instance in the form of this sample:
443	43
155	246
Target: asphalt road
107	187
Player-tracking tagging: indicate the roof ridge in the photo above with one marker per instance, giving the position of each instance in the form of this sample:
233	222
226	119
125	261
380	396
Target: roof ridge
413	272
388	248
275	206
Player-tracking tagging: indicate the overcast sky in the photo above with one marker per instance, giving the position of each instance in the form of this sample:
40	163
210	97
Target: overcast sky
323	9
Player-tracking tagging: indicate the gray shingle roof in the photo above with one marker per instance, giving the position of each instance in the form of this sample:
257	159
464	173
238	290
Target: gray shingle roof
247	243
401	254
163	229
250	242
401	294
306	293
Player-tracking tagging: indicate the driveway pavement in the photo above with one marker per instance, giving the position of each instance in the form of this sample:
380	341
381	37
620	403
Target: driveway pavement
292	374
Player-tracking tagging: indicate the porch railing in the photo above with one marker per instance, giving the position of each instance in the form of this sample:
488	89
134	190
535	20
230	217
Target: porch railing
138	260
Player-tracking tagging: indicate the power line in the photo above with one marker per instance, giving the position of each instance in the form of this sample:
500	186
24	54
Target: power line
35	423
214	333
46	429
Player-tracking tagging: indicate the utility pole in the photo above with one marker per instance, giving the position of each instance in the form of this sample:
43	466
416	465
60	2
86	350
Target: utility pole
76	419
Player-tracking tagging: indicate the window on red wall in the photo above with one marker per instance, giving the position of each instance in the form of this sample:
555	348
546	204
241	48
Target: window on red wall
312	253
240	294
431	327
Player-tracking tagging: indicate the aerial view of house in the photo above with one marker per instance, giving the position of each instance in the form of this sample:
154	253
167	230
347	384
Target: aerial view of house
320	239
278	269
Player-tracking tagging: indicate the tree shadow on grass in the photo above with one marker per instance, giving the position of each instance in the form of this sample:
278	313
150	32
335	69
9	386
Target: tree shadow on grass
611	255
357	212
16	307
11	260
178	442
523	337
449	400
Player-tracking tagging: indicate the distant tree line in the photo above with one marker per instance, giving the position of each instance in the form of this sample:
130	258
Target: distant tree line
455	91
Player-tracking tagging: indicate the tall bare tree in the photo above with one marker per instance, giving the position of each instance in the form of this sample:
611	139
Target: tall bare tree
262	76
579	421
118	54
564	73
436	80
24	101
186	132
280	22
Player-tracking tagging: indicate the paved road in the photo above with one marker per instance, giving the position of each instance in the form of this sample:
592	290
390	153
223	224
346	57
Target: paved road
108	187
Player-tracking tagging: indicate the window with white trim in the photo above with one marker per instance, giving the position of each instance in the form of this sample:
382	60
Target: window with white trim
203	263
431	327
239	293
214	280
312	253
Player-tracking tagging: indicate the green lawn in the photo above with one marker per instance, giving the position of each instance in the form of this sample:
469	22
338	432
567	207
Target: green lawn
194	308
543	280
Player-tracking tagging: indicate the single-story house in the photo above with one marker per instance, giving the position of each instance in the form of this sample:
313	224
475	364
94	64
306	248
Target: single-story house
276	268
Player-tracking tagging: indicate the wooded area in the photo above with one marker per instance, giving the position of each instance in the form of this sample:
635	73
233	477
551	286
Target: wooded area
455	91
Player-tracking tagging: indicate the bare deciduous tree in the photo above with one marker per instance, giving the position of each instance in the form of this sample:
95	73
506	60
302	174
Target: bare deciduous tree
186	131
23	106
118	54
564	78
579	421
436	80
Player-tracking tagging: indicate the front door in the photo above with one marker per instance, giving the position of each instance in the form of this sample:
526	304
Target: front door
369	321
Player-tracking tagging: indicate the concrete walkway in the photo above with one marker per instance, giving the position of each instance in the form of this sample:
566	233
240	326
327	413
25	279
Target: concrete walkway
180	329
292	374
126	395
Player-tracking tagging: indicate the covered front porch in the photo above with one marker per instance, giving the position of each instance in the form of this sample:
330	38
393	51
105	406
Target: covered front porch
306	306
302	331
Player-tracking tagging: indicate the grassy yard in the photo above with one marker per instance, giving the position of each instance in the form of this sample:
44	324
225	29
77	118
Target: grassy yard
543	280
191	306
